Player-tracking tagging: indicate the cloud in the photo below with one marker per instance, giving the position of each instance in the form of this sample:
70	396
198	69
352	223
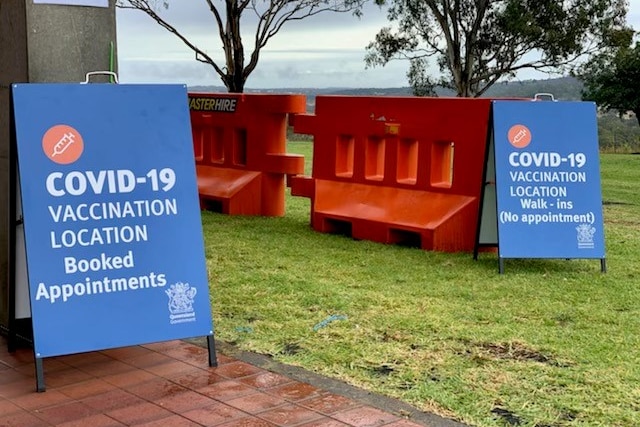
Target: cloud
189	72
320	51
326	50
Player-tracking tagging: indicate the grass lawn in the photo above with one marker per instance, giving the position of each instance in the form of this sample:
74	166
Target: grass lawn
548	343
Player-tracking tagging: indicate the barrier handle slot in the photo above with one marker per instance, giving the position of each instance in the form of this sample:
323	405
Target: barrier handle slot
88	76
543	96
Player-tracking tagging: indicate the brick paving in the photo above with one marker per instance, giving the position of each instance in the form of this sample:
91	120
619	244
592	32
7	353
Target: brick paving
170	384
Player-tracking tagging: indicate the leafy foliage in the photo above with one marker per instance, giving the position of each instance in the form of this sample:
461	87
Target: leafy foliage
477	42
612	79
228	16
618	134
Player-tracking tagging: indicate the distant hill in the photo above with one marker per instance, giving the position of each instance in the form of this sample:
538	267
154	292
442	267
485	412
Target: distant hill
564	88
616	134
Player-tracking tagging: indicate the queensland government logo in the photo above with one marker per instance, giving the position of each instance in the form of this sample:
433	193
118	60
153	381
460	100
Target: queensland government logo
181	297
585	236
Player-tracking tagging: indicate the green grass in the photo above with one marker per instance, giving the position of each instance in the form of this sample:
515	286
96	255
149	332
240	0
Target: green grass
552	342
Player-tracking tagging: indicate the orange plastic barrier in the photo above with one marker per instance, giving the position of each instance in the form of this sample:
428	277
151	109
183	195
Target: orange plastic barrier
240	149
400	170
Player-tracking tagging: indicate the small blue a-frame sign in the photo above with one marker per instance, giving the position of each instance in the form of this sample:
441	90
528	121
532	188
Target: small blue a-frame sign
543	159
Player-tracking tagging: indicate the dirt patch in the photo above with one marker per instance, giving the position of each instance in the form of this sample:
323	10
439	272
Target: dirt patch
515	351
383	369
507	416
291	349
510	418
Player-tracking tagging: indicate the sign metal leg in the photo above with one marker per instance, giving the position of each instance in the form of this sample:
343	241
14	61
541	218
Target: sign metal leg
11	341
211	345
603	265
12	337
40	387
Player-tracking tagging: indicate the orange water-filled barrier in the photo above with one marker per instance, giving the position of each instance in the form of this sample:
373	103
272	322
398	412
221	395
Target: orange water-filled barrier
400	170
240	151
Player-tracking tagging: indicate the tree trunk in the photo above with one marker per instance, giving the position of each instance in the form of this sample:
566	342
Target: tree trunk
235	84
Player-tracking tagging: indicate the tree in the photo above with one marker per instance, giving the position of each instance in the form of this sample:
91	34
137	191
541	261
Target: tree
477	42
230	16
612	79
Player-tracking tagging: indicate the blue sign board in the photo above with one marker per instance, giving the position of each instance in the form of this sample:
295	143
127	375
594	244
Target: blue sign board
547	171
113	233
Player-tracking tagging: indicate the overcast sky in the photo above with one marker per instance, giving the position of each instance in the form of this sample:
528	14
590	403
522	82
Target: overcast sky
323	51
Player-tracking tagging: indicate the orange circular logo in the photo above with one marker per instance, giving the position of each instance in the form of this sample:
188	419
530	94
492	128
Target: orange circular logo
62	144
519	136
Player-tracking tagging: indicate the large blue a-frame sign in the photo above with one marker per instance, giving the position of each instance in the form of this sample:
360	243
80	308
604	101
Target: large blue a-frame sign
113	234
547	178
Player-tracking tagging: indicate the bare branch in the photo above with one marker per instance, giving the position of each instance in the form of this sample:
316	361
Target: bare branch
144	6
272	15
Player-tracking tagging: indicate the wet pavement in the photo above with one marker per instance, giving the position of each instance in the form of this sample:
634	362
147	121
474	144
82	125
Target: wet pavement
170	384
